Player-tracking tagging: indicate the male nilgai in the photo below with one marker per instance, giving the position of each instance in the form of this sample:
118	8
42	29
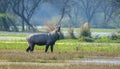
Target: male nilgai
47	39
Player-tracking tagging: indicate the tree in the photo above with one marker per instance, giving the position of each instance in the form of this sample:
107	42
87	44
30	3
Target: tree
89	8
5	20
108	11
116	5
61	5
25	10
73	13
3	9
63	10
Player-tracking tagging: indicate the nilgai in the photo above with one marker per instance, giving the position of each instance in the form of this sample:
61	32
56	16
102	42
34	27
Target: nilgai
47	39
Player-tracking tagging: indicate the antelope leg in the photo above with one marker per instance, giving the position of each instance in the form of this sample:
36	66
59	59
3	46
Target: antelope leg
46	49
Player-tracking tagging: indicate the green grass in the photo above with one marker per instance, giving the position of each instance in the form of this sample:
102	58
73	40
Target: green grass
64	45
107	40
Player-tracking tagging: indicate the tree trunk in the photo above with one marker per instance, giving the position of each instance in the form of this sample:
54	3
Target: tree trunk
23	26
5	24
29	25
63	12
15	27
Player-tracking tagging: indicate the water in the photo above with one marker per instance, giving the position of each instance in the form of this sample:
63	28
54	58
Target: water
93	33
101	33
98	61
11	38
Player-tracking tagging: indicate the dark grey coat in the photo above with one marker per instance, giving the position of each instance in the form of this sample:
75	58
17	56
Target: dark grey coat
47	39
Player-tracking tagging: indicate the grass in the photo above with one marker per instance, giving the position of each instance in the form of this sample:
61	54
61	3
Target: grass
44	60
63	45
71	66
107	40
37	56
64	50
40	56
67	49
15	52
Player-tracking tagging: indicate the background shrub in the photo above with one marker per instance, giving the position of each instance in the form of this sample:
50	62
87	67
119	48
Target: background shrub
87	39
85	31
71	33
114	36
85	34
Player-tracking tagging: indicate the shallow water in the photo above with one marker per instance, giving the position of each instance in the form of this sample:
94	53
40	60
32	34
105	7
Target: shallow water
65	33
11	38
98	61
94	33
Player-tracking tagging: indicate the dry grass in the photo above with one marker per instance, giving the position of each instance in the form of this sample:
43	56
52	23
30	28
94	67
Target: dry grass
57	56
71	66
36	56
49	60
